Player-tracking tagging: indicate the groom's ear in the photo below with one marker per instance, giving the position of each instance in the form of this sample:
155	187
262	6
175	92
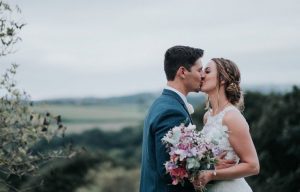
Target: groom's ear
181	72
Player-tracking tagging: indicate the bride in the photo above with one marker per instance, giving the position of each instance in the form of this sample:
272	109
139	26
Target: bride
227	127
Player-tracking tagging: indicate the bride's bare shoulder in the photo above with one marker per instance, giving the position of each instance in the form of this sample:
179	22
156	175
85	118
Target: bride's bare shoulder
234	118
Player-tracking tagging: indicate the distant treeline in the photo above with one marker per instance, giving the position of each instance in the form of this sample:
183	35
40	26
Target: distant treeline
148	98
142	98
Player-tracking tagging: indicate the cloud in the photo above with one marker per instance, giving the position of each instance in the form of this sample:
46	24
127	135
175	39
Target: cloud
101	48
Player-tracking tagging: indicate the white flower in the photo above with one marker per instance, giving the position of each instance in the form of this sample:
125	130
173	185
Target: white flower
169	140
173	136
191	127
192	163
182	153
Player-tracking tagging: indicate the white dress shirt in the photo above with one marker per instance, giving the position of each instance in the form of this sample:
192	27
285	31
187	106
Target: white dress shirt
189	107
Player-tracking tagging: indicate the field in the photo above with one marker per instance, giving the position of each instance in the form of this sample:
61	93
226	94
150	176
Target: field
79	118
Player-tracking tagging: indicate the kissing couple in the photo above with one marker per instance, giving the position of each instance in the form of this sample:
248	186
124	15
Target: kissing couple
220	80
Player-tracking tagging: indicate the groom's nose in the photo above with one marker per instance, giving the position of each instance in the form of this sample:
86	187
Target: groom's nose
202	74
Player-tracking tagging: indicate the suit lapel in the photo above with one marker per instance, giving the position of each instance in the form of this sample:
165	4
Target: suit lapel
178	98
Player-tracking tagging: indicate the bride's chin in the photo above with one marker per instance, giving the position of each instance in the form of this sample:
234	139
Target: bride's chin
202	89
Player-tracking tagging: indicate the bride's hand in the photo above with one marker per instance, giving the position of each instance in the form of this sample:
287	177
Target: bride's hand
224	163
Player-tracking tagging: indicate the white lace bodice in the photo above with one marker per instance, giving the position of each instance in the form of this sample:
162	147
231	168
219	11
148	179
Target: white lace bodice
217	133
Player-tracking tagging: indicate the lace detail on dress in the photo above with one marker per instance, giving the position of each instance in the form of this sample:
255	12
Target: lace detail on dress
218	134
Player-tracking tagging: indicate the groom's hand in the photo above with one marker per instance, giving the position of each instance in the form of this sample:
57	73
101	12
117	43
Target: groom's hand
223	163
202	179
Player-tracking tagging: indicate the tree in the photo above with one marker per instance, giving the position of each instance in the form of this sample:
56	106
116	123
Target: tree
8	28
275	128
20	128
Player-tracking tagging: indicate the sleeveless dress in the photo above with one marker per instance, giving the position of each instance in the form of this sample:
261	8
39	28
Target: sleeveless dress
217	133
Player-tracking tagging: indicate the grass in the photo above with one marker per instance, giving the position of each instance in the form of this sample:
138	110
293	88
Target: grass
79	118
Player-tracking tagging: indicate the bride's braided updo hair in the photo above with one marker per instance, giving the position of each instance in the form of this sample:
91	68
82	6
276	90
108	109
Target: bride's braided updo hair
228	72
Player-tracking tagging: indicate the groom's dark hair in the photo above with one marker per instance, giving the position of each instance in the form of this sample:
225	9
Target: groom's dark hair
178	56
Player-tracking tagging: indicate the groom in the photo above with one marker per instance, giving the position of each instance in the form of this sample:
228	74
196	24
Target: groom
183	68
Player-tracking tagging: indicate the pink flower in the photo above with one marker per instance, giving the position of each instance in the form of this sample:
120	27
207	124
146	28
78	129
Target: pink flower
179	172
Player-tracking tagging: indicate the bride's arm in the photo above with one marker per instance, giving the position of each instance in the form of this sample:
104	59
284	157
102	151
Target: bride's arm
240	140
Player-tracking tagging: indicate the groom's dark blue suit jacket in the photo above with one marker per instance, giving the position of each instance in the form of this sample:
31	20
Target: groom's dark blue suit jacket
166	112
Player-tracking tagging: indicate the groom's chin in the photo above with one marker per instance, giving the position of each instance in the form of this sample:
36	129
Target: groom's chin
200	90
197	90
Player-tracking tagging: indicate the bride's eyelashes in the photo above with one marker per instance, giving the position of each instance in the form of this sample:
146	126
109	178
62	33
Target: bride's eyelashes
207	70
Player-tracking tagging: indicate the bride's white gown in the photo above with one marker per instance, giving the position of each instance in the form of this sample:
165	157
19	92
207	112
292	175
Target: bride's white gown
216	132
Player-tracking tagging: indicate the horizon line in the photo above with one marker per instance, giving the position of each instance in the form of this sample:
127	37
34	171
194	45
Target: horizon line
271	88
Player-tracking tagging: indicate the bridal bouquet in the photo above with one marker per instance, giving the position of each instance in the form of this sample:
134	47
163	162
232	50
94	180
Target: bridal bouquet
189	153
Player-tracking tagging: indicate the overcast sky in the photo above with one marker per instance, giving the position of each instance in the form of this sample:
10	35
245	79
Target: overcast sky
101	48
